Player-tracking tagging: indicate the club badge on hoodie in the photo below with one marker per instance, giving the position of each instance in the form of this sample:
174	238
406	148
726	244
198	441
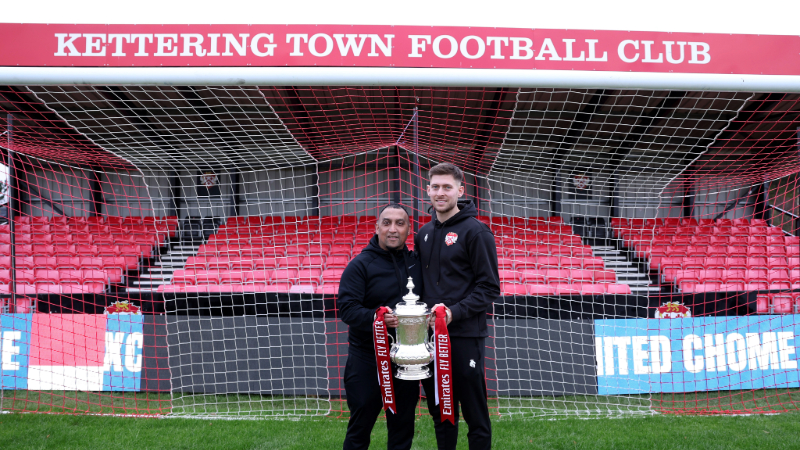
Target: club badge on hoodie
450	239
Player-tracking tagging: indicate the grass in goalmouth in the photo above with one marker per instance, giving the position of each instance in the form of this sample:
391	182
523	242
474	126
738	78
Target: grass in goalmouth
81	429
46	431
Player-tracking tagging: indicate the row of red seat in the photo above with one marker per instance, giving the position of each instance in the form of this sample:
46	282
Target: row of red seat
744	279
64	276
95	220
645	236
716	250
78	250
269	276
326	289
670	265
622	222
556	276
122	263
250	263
347	219
44	289
757	241
778	303
564	289
507	289
80	238
549	262
89	228
257	251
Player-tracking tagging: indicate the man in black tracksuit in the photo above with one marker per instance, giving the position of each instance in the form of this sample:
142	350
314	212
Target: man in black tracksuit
459	270
377	277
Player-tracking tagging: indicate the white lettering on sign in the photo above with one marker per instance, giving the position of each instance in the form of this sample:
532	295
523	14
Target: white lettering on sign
63	44
119	39
650	354
133	344
8	350
321	45
133	358
95	44
270	48
710	352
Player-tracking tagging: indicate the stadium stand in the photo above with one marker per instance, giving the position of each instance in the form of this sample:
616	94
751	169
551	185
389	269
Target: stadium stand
307	254
79	255
724	255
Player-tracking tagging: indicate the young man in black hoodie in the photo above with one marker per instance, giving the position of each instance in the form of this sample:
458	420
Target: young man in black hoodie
377	277
459	270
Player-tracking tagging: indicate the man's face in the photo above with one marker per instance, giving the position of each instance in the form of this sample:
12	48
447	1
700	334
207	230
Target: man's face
444	192
392	228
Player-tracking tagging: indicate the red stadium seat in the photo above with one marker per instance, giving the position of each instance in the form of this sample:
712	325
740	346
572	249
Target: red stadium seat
289	261
313	261
605	276
70	276
581	276
39	262
279	287
327	289
307	276
557	276
533	276
509	276
567	289
541	289
257	276
509	288
231	277
593	289
283	275
777	262
46	276
620	289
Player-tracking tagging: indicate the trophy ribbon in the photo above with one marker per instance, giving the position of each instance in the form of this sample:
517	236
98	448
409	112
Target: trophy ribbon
382	348
443	367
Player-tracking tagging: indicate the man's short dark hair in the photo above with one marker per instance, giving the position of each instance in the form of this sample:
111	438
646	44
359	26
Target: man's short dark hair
393	206
447	169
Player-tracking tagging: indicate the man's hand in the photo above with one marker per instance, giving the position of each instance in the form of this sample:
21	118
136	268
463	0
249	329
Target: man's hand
433	316
389	319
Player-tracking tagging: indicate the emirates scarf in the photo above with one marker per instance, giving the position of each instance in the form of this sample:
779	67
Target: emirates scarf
443	366
382	347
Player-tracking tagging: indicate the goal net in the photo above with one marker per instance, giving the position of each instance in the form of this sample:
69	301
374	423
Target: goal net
177	250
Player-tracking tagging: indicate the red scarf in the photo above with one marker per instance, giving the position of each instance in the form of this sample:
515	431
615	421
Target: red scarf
382	347
443	367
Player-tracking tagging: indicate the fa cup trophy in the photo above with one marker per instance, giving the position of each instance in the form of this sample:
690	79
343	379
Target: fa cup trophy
412	352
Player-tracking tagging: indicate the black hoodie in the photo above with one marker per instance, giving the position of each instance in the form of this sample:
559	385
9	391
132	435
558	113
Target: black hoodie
374	278
459	269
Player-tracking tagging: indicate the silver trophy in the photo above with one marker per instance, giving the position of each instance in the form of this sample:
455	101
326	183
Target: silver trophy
412	352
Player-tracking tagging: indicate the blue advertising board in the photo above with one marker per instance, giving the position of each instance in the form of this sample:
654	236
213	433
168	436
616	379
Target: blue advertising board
87	352
639	356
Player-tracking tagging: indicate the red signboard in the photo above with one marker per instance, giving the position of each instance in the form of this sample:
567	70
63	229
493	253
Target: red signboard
41	45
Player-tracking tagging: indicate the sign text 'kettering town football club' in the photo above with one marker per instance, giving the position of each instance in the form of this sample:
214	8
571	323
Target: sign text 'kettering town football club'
65	45
372	45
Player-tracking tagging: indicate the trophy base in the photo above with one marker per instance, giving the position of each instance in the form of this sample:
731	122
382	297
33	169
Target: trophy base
415	372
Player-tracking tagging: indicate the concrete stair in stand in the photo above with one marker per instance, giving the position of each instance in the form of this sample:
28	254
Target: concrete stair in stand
627	271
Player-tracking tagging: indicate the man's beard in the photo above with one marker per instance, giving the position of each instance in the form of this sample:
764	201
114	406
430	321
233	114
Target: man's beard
449	207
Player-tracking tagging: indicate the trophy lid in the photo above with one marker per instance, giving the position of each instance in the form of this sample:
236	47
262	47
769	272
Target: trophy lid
411	306
411	297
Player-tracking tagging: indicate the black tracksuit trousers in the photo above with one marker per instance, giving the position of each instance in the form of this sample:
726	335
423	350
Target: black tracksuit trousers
365	403
469	390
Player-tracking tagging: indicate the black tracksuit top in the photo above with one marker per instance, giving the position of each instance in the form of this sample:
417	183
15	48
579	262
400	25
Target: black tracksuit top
373	279
462	275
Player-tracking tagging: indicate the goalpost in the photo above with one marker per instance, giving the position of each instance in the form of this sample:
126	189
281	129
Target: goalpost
176	248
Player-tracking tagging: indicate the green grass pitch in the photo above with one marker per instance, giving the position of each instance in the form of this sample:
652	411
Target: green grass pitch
517	430
45	431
